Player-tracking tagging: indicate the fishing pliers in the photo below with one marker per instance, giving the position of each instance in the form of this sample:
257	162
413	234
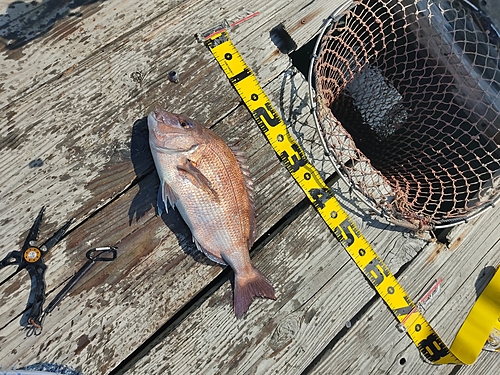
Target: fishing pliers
31	258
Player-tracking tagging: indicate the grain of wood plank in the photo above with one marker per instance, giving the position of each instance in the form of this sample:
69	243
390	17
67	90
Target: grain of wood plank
319	290
78	125
305	24
60	47
118	307
60	42
374	345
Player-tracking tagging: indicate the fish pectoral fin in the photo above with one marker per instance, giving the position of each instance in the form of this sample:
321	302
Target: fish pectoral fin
197	178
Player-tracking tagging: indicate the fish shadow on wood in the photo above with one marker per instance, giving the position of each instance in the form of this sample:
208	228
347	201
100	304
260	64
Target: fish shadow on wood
146	198
143	163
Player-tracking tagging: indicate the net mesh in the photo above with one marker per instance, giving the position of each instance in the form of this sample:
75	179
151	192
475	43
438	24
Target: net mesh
407	95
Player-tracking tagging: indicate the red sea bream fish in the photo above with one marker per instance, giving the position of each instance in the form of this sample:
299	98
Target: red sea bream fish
210	186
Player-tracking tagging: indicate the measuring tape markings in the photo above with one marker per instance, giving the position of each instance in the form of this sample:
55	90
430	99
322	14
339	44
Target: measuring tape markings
343	227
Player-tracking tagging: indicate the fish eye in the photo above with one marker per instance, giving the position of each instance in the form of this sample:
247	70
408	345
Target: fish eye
185	124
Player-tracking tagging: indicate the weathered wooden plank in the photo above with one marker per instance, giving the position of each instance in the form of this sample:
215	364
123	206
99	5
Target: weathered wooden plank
319	290
121	305
373	344
486	363
96	292
78	125
304	25
66	37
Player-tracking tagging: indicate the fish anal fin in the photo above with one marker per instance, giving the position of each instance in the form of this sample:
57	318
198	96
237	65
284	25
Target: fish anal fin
208	254
197	178
249	286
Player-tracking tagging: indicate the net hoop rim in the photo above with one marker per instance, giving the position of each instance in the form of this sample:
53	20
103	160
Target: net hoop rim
442	224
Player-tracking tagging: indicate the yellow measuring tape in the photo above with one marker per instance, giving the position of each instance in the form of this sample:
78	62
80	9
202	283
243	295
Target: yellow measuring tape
485	314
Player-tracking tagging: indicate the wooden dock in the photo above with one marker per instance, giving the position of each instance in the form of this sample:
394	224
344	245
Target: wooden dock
77	79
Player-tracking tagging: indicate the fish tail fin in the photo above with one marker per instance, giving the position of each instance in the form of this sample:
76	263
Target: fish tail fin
247	287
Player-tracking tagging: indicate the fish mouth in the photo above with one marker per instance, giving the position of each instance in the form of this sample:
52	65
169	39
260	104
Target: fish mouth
168	119
152	121
169	123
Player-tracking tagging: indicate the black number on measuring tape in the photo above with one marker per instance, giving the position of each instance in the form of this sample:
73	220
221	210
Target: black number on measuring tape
346	229
296	160
268	114
404	310
211	43
320	196
433	348
376	271
241	76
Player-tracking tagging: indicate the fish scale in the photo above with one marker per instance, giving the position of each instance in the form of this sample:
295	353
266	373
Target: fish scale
229	204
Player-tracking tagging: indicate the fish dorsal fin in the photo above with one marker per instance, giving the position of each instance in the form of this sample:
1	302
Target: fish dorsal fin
243	163
189	170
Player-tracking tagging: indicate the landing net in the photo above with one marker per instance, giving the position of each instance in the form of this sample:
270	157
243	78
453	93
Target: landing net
407	102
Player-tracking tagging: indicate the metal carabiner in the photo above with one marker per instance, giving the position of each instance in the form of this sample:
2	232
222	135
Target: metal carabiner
102	254
98	254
